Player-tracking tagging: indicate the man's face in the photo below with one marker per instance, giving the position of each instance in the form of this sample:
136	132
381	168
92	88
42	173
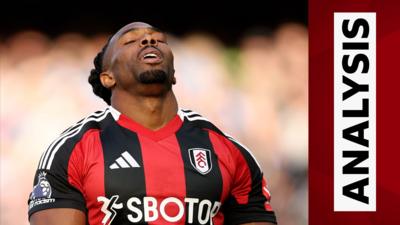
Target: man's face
138	55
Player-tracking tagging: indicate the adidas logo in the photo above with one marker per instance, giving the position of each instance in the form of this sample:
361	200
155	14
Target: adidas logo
124	161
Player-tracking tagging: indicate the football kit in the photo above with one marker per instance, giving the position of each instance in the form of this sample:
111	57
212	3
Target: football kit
118	172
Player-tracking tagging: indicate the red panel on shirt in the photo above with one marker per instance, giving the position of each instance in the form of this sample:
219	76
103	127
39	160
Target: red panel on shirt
86	172
242	176
164	173
226	165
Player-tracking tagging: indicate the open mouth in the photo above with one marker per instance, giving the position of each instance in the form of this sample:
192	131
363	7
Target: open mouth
151	56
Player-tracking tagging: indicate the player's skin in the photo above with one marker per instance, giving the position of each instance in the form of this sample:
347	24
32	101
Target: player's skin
151	105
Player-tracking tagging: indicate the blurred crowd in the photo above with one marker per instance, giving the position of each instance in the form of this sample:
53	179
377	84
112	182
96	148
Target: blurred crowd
256	91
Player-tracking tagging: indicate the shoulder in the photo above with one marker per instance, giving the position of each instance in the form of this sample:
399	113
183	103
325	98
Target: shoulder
237	149
95	120
194	119
63	145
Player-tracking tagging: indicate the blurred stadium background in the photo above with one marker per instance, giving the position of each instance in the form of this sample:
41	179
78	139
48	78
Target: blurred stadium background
246	70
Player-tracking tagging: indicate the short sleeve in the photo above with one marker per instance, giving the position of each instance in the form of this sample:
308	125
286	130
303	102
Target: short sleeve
52	187
249	198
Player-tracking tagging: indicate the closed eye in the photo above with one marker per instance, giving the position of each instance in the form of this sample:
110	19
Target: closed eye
129	42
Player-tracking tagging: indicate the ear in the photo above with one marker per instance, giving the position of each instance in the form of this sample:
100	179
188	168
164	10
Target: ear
107	79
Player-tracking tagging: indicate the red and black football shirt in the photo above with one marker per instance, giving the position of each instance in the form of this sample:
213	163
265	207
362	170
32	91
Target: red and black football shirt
119	172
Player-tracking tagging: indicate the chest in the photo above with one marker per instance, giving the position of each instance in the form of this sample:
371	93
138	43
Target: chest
182	165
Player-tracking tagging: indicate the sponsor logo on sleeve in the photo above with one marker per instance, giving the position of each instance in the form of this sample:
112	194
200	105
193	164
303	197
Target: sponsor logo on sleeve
42	191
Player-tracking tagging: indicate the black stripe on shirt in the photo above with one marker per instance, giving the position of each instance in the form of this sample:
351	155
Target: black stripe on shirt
124	182
208	186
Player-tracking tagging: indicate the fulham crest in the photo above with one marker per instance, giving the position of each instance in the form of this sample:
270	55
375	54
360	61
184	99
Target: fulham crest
200	158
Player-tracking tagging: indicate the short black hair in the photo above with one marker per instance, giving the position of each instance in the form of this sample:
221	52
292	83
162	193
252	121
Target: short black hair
94	77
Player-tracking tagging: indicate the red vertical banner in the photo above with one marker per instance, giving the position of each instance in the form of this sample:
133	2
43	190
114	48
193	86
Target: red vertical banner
354	156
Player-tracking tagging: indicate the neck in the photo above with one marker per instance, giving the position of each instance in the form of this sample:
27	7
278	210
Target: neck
152	112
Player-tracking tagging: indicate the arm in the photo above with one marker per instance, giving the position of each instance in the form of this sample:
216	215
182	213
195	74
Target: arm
59	216
56	196
249	200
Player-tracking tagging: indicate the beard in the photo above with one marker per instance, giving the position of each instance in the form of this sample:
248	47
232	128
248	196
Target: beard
153	77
